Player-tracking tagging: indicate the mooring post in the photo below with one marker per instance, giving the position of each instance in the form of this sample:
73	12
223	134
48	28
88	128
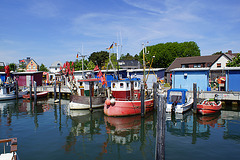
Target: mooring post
30	85
59	92
142	100
55	92
90	95
35	90
194	97
154	95
17	89
160	137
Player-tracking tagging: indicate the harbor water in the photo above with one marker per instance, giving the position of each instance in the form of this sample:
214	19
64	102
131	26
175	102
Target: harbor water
48	130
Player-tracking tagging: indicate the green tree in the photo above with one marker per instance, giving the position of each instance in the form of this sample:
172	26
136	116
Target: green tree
43	68
235	62
78	64
217	53
12	67
166	53
113	60
90	65
99	58
126	57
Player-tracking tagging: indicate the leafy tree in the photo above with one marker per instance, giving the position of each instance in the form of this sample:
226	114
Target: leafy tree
126	57
90	65
217	53
78	64
113	60
99	58
43	68
166	53
235	62
12	66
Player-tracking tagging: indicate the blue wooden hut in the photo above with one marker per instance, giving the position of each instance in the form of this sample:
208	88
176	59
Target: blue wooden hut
232	78
185	77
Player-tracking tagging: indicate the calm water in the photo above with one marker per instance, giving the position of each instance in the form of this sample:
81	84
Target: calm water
50	131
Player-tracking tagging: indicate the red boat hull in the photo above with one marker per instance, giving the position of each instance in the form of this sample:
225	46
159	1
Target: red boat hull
127	108
39	95
208	108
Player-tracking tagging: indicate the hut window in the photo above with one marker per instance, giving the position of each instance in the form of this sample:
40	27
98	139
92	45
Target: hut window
218	65
113	85
121	85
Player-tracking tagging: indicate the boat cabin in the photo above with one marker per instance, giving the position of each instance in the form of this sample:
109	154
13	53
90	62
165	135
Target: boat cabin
126	89
177	95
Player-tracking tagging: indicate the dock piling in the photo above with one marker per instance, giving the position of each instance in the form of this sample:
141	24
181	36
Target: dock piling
59	92
142	100
55	92
155	95
90	95
194	97
35	90
160	137
17	89
30	85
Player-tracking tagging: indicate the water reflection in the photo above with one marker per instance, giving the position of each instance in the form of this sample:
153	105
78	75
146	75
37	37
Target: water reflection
124	130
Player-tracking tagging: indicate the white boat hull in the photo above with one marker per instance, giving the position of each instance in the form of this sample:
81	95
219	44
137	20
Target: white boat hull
180	108
73	105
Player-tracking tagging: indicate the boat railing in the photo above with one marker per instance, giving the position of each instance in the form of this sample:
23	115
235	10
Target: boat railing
13	144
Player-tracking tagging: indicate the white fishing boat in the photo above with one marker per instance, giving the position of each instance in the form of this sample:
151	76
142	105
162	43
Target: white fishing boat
178	100
7	92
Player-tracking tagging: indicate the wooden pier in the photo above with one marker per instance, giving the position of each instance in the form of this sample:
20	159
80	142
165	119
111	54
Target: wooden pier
220	95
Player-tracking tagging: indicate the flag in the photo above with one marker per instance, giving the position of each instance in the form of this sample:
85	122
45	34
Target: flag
104	80
110	47
72	63
99	74
96	68
77	55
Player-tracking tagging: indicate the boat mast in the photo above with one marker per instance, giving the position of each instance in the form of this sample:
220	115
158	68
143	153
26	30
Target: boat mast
83	56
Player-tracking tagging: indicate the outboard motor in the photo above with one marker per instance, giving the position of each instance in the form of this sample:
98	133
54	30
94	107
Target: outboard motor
174	104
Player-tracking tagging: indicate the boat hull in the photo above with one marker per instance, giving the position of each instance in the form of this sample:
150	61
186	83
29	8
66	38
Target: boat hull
180	108
208	107
127	108
83	102
39	95
10	96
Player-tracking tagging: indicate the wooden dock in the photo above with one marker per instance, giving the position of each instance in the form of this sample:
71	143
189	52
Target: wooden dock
219	95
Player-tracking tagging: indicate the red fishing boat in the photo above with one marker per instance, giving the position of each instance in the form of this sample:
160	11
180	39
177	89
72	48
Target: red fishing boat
125	98
209	107
39	95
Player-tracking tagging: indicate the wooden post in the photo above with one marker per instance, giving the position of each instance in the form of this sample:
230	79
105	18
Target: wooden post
194	97
59	92
55	92
160	137
90	95
142	100
16	89
155	95
35	90
30	89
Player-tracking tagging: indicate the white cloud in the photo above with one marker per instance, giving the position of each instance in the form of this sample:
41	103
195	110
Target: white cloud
44	9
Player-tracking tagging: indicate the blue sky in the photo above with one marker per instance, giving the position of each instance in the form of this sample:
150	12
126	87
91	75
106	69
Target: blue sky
51	30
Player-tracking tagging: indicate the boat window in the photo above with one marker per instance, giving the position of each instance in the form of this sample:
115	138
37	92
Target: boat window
113	85
127	85
121	85
135	84
175	96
